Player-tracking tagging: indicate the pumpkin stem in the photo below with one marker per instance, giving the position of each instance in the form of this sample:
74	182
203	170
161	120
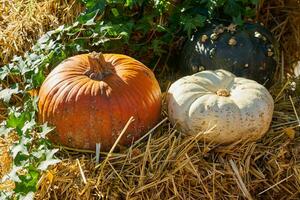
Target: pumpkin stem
99	68
223	92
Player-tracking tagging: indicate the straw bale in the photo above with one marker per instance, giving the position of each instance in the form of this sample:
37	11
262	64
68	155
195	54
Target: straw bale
22	22
167	164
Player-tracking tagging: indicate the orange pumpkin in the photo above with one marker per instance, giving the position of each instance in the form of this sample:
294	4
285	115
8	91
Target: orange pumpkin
90	97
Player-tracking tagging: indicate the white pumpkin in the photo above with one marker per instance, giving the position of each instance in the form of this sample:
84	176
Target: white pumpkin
233	108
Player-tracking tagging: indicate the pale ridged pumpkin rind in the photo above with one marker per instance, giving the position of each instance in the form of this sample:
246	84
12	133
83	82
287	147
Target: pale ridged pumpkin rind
195	107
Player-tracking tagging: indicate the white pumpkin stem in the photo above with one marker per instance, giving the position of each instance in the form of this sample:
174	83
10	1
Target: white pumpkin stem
99	68
223	93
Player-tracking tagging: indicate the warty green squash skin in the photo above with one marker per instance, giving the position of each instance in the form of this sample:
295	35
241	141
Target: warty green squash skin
248	51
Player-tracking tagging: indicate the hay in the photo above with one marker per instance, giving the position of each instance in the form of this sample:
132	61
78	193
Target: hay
22	22
282	17
169	165
6	160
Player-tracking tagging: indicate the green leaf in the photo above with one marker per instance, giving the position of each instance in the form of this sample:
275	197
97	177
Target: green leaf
45	130
162	5
157	46
93	5
115	12
29	125
4	130
34	100
28	182
85	18
249	12
255	2
238	20
5	94
160	28
28	196
37	79
50	160
17	120
20	148
44	39
91	21
13	174
129	3
4	72
191	23
232	8
21	159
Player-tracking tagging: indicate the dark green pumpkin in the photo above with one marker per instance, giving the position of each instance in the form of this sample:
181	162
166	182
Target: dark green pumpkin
248	51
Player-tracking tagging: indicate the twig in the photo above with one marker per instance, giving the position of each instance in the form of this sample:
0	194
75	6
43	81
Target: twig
275	184
81	172
98	146
294	109
73	149
150	131
240	180
112	149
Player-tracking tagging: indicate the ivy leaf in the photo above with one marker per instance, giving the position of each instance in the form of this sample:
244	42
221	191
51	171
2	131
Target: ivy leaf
249	12
115	12
28	125
129	3
162	5
4	130
50	160
38	78
6	195
191	23
255	2
34	100
28	182
91	21
93	8
17	119
93	5
4	72
157	46
238	20
45	130
21	147
5	94
28	196
13	174
160	28
86	19
44	38
232	8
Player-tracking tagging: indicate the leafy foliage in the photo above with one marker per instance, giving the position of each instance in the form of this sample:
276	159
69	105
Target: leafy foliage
147	30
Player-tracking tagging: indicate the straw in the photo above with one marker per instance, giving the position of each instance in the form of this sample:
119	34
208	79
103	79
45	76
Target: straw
22	22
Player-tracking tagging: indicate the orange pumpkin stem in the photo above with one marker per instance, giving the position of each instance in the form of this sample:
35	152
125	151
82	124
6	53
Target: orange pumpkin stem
99	68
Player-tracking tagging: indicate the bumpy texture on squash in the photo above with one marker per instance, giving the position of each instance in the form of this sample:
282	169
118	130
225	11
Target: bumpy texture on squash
248	51
239	108
90	97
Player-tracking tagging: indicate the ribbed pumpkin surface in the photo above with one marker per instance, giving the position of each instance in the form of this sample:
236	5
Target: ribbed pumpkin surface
90	97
